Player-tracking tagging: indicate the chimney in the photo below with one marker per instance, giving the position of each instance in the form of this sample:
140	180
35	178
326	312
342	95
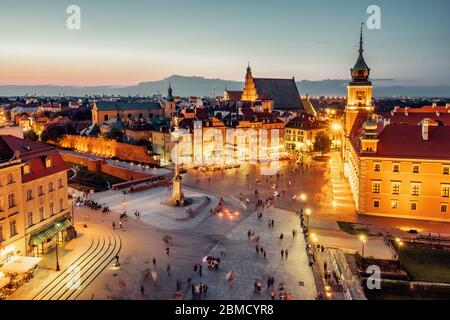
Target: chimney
425	136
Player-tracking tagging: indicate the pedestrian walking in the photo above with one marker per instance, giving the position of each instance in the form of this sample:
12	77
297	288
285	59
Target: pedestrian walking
273	222
117	261
205	288
167	250
120	224
286	253
257	248
142	290
281	236
200	270
282	254
154	261
264	254
113	225
168	270
195	267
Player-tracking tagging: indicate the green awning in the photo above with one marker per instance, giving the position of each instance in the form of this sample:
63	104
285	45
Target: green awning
50	231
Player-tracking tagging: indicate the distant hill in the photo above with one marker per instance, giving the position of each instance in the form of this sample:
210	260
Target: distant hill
199	86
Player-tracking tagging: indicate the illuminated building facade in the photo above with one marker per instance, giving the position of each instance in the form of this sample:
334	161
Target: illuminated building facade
34	208
398	163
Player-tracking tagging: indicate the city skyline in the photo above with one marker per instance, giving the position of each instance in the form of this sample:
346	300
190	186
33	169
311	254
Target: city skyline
121	44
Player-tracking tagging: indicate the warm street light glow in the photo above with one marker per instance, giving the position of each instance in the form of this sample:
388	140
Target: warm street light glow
336	126
303	197
308	211
363	238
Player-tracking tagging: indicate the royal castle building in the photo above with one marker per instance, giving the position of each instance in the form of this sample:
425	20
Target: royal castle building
397	163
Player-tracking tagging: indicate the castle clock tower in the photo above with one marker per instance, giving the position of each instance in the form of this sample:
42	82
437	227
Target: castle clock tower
359	98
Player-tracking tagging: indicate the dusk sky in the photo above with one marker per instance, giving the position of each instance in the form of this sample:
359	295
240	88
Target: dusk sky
126	42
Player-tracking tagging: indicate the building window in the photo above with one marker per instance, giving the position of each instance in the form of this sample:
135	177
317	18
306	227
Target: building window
11	200
395	167
105	117
48	162
446	170
40	190
29	194
413	206
376	186
416	168
60	183
13	227
2	238
30	219
415	189
10	179
395	187
377	167
52	208
26	169
61	205
445	191
444	207
376	203
394	204
41	214
50	187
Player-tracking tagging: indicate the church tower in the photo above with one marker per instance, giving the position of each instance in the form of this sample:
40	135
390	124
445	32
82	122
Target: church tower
359	90
170	104
249	93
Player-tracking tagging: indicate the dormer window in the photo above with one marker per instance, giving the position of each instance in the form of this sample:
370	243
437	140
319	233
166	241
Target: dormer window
48	162
26	169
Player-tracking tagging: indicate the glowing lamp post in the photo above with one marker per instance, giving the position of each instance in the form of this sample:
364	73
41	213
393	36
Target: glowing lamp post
399	245
308	214
363	240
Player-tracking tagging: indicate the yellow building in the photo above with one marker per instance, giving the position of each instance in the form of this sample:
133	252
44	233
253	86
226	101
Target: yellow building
34	209
394	169
301	133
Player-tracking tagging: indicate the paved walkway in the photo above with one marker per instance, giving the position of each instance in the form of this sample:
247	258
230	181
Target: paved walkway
241	256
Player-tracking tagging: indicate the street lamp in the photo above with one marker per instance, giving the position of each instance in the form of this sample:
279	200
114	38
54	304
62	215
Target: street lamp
57	243
363	240
399	245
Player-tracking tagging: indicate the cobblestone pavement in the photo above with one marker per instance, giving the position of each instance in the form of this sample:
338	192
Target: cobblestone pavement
241	256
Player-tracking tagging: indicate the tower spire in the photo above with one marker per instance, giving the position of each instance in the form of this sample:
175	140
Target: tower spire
361	50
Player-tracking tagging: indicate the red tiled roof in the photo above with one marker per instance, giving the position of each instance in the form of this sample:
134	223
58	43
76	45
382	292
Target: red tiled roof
34	154
234	95
404	141
413	118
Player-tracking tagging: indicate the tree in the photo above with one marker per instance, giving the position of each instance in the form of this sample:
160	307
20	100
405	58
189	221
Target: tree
56	132
145	142
31	135
322	143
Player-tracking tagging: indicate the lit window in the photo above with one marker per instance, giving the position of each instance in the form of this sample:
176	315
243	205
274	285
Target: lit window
377	167
394	204
415	189
395	187
48	162
416	168
413	206
26	169
445	191
396	167
376	203
446	170
444	207
376	186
